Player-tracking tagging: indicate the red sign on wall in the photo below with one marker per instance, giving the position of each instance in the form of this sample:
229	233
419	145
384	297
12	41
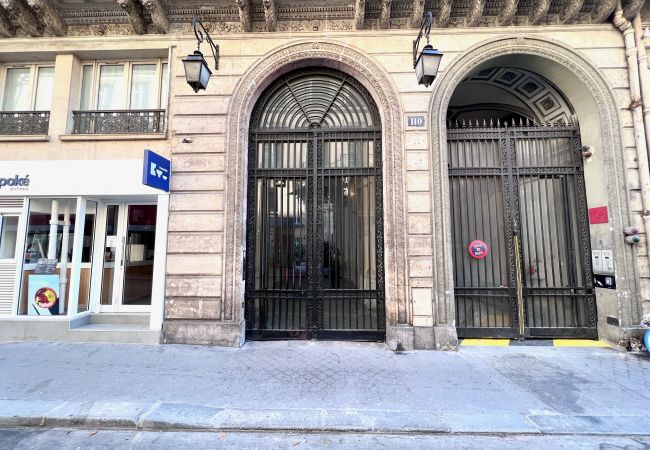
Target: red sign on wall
478	249
598	215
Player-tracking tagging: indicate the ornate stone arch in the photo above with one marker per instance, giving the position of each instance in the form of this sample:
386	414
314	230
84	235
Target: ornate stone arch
612	147
247	92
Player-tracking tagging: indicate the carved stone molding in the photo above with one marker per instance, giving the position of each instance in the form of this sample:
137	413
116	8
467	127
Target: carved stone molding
384	19
611	142
417	14
247	91
475	13
444	13
359	14
507	12
27	18
7	29
632	7
159	11
270	15
244	7
539	11
135	13
570	10
602	10
49	14
228	16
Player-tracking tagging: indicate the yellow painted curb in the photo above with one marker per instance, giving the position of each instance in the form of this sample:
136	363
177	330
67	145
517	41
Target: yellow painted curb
578	343
485	342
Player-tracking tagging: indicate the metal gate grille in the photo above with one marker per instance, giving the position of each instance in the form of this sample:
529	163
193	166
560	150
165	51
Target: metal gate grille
314	228
521	191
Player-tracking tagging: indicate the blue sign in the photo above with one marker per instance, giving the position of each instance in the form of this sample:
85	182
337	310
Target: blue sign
156	171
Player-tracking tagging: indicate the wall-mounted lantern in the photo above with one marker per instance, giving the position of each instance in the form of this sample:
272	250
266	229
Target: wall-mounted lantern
427	62
197	72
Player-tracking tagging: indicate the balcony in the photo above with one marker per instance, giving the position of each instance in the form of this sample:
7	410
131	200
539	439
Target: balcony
24	123
140	121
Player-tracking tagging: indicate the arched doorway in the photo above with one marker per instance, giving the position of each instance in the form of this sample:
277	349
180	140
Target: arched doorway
520	234
314	239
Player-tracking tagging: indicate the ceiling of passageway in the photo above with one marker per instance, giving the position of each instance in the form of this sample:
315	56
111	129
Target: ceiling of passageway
506	93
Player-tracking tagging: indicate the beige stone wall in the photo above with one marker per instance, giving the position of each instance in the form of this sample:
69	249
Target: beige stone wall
198	145
204	181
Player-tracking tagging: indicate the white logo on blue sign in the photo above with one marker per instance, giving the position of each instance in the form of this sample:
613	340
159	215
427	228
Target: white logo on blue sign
156	171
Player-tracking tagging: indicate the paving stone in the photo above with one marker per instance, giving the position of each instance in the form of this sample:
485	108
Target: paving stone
178	416
320	385
25	412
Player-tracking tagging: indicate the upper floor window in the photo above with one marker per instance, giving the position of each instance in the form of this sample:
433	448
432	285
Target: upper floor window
124	85
122	97
25	98
27	88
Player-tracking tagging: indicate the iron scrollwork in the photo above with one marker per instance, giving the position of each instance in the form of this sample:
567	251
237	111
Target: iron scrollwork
119	121
24	122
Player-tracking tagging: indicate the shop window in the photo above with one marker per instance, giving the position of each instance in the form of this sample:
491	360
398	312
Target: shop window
26	99
50	233
126	97
85	275
8	233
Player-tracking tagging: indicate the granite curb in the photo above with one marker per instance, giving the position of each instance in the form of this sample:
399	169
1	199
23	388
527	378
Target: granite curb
180	416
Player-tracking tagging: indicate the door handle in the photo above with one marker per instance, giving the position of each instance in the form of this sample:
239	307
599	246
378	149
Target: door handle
123	262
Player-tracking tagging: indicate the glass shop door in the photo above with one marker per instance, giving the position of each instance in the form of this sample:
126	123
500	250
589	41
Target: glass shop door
129	244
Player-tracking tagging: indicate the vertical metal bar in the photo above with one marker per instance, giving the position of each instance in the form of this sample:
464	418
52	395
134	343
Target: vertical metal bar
548	180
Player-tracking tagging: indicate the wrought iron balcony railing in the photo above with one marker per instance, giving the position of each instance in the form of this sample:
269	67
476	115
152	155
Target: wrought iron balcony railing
119	121
24	122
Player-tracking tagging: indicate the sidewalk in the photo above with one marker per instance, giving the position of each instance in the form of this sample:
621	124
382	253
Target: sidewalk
324	386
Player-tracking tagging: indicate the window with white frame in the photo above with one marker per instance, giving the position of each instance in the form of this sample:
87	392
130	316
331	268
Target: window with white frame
131	85
27	87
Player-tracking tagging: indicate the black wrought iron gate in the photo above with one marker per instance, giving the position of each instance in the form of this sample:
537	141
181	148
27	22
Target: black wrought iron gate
314	229
519	193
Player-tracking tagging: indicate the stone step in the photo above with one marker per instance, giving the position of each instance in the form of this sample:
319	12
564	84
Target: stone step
120	318
118	333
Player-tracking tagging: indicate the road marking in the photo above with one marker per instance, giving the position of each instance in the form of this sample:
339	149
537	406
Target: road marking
578	343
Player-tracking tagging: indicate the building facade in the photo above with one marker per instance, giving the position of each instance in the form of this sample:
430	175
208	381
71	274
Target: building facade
317	191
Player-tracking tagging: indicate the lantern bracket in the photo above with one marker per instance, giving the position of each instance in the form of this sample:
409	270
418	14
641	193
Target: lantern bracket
202	35
425	29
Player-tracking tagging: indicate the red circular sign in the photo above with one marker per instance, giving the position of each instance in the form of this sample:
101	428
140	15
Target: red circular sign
478	249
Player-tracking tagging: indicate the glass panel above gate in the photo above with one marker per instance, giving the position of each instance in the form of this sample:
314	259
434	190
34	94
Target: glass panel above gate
314	99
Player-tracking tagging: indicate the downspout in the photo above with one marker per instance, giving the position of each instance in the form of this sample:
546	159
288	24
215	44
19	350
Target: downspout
636	105
644	75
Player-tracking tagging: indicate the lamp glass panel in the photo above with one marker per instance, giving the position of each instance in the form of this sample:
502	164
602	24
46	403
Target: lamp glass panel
431	64
192	70
419	70
205	75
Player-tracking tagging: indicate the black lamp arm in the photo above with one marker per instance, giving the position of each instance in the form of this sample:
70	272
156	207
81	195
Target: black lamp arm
425	29
203	35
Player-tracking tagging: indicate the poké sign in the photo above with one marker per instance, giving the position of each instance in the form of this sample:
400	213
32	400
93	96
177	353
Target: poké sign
478	249
15	183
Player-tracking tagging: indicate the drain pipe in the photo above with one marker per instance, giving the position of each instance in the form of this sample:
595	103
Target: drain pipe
644	75
635	107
